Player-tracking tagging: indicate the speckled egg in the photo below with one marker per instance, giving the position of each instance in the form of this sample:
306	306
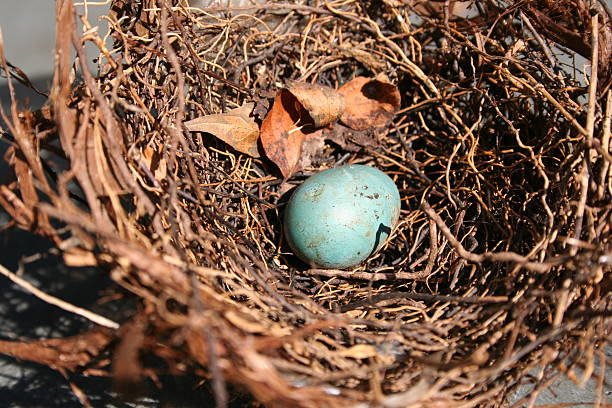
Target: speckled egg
339	217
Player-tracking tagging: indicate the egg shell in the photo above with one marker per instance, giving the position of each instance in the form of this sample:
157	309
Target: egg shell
339	217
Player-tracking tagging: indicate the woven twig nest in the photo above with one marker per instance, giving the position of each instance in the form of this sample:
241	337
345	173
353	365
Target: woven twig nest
500	262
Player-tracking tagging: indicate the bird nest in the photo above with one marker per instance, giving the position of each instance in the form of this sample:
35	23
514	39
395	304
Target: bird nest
159	169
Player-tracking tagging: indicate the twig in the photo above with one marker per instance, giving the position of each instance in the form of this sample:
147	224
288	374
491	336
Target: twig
539	39
364	275
590	126
605	148
100	320
426	297
539	87
543	338
602	377
207	331
112	127
590	122
487	256
176	132
218	379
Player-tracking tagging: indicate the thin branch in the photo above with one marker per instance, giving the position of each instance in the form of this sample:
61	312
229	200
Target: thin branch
539	39
364	275
590	126
100	320
426	297
590	123
605	148
487	256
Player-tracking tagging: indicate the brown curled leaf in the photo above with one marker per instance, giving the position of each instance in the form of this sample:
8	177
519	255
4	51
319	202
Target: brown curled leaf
298	111
235	127
370	102
155	162
324	104
283	131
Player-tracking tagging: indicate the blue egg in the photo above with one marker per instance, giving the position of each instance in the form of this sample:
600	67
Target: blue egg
339	217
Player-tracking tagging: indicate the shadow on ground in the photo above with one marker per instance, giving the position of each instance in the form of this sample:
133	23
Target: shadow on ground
23	316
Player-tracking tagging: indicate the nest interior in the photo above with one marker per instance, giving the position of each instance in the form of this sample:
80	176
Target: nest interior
500	150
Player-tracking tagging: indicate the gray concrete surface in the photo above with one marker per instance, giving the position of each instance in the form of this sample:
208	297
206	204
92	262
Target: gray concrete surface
28	28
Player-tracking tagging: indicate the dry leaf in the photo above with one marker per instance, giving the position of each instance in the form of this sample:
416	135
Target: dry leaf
324	104
155	162
236	128
370	102
303	111
297	111
282	132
